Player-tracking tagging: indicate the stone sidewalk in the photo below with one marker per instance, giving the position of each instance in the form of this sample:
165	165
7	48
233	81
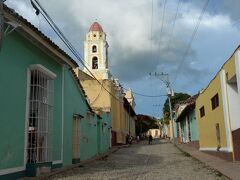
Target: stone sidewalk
64	169
227	168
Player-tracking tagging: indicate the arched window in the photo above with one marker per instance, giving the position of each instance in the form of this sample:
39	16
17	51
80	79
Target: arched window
94	48
94	62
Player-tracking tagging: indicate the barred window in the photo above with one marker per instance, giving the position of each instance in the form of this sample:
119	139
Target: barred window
40	117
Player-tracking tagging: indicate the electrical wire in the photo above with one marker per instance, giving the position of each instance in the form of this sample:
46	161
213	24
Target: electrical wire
74	51
163	17
173	26
68	44
151	31
191	41
145	95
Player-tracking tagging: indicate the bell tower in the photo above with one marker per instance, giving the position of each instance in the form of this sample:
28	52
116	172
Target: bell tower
96	52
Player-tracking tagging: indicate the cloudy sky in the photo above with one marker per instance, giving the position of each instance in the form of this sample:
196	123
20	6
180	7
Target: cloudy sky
149	36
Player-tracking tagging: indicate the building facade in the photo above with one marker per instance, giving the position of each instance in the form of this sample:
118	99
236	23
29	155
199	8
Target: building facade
185	117
154	132
105	93
46	121
217	112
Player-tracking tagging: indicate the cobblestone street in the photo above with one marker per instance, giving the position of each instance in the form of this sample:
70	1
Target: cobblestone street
161	160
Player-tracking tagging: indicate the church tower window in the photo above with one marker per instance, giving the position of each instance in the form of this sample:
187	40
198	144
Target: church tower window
96	52
94	48
94	62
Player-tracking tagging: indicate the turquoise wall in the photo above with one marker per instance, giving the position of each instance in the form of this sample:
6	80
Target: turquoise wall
74	103
95	136
184	128
16	55
175	126
104	132
88	146
193	126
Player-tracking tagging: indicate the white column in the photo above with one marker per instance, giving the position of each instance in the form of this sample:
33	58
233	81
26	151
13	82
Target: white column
237	65
225	111
187	130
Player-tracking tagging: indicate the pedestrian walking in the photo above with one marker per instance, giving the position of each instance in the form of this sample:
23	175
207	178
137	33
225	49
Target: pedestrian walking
127	139
138	139
150	138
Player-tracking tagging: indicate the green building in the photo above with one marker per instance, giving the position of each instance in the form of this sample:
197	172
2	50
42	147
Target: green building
186	123
45	119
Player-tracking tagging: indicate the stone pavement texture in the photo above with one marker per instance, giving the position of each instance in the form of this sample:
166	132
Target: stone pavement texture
227	168
161	160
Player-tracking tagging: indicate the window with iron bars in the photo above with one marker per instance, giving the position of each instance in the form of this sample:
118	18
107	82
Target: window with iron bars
41	87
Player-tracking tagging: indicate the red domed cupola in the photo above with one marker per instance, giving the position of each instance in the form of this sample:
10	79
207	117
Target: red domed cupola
96	27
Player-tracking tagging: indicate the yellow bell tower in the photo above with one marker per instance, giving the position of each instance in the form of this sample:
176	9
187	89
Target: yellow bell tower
96	52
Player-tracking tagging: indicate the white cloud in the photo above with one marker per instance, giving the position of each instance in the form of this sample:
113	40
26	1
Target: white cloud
128	26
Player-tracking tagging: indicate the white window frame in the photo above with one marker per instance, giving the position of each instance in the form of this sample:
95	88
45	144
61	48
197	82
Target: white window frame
38	151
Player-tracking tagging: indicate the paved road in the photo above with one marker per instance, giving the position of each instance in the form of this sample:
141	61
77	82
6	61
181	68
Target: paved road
161	160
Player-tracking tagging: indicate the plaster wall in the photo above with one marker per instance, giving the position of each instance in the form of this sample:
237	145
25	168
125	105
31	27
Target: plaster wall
14	63
207	123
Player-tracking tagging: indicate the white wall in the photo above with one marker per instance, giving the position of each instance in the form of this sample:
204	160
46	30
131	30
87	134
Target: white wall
234	105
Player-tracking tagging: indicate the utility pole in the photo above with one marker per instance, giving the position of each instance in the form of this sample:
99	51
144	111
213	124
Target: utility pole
164	77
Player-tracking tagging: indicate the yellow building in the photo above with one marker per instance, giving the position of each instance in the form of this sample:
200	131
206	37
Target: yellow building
154	132
105	93
129	96
129	119
217	110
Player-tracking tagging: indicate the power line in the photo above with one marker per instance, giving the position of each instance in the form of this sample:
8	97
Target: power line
163	17
173	26
151	28
145	95
191	41
66	42
74	51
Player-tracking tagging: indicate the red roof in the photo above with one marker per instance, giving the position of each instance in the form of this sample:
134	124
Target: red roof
96	27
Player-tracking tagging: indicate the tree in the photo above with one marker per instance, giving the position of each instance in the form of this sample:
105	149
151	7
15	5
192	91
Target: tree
178	97
144	123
